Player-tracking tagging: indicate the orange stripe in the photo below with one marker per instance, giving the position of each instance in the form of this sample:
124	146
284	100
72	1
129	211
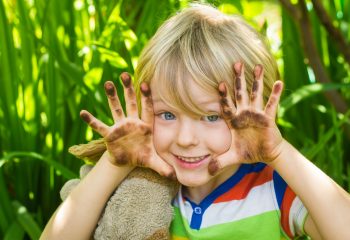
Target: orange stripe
241	190
287	201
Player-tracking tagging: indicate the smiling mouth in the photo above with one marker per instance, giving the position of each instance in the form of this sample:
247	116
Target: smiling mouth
191	159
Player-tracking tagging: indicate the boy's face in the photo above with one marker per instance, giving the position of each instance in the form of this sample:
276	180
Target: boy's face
188	144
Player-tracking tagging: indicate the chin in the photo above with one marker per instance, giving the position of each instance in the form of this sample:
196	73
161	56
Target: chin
192	181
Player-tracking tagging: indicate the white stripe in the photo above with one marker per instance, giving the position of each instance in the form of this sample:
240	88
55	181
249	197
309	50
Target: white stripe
185	208
297	214
258	201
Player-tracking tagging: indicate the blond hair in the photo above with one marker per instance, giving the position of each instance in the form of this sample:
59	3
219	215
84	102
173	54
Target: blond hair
200	43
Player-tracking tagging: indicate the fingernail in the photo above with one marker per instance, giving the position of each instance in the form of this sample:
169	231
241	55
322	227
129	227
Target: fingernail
126	79
85	116
257	71
222	89
277	88
146	91
238	68
109	87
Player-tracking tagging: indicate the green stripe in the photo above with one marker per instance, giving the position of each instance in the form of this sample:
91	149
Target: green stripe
263	226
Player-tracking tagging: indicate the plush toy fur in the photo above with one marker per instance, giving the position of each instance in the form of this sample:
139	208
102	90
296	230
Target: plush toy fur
140	208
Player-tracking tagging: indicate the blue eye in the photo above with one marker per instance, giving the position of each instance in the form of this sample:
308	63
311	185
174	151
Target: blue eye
211	118
167	116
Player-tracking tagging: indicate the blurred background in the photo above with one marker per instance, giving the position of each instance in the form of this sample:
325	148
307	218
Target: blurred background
56	55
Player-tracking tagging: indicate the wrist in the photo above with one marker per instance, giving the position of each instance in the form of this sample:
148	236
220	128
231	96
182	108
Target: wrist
107	160
280	150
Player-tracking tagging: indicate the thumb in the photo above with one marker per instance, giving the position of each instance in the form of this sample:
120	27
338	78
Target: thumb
219	162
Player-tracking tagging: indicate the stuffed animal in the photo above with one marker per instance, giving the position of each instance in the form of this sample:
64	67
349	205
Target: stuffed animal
140	208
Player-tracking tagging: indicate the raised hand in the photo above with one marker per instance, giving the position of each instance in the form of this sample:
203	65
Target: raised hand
255	136
129	140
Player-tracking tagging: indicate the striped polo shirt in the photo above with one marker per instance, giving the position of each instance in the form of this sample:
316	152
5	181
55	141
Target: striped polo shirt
254	203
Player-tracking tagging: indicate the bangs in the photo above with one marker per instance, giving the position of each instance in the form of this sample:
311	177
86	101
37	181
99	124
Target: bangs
171	81
190	58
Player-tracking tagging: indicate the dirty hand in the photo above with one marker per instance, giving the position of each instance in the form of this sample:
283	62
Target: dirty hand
255	136
129	140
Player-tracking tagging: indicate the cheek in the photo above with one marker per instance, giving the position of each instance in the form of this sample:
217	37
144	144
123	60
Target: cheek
219	138
161	137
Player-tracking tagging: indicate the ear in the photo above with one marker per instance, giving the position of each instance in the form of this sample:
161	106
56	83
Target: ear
91	151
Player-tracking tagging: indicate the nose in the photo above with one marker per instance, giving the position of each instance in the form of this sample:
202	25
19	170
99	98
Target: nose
187	135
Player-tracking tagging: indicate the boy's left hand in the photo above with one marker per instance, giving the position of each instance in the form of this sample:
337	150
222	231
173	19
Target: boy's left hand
255	136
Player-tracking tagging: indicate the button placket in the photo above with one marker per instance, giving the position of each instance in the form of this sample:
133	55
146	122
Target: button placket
197	210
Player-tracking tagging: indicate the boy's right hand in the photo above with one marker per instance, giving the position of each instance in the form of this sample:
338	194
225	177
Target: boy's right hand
130	140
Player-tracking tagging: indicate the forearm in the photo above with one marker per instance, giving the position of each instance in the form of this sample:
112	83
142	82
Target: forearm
327	203
78	215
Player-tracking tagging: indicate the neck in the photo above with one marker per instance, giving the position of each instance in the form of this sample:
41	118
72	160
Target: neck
197	194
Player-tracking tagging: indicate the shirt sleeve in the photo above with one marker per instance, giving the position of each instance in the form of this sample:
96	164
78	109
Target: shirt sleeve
293	211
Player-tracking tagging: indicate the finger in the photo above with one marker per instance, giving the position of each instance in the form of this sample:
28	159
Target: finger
256	96
219	162
147	104
94	123
129	95
241	94
163	168
272	103
113	101
227	106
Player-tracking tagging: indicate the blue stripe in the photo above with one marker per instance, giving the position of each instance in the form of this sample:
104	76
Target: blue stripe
280	187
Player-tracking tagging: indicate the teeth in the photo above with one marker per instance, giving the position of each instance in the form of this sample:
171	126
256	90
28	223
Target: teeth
192	159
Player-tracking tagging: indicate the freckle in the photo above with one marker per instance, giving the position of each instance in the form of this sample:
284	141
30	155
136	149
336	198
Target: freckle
238	83
255	86
126	79
213	167
110	90
238	96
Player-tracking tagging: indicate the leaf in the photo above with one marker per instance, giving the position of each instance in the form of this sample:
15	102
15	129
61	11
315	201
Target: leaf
305	92
65	171
26	221
14	232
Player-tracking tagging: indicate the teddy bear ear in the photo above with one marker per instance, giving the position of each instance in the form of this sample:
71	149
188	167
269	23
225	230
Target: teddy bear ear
91	151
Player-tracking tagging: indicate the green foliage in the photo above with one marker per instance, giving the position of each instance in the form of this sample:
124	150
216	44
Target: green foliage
56	55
